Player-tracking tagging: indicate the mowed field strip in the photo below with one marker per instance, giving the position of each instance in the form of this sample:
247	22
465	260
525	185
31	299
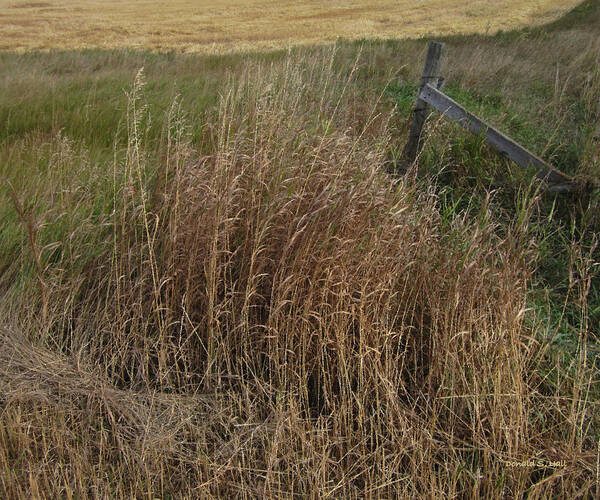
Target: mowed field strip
224	25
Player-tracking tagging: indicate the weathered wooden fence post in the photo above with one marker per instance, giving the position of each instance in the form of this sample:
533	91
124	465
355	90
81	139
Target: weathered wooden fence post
431	75
502	143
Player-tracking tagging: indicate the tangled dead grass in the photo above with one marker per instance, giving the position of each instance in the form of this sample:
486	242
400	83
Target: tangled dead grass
275	318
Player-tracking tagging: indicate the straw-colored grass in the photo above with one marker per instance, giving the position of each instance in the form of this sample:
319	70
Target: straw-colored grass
210	286
218	26
274	318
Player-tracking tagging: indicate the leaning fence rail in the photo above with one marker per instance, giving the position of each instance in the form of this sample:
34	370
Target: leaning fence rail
430	94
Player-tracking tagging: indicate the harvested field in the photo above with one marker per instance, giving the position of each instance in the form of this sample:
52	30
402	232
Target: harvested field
217	26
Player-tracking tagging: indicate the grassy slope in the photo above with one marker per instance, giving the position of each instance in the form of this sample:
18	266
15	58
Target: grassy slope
94	272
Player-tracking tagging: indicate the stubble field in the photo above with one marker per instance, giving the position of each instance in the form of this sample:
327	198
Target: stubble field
217	26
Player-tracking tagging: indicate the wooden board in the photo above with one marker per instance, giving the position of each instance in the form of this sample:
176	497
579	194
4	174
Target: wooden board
431	74
517	153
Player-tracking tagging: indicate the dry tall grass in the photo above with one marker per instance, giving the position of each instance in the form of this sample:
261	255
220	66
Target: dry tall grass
276	318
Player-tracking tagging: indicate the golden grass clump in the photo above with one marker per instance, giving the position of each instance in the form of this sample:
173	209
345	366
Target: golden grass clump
275	318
